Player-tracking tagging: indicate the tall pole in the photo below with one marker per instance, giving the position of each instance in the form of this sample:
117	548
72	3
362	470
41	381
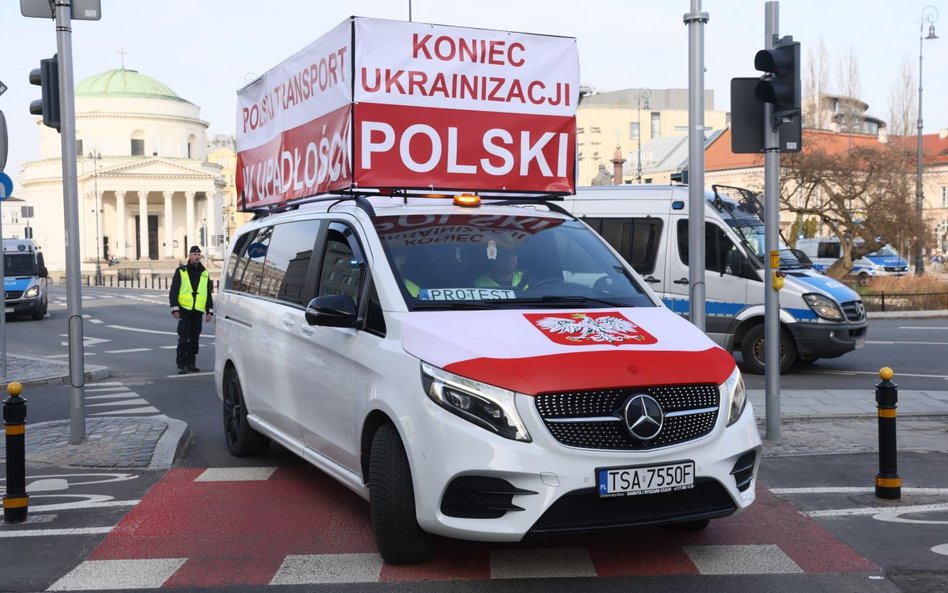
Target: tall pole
696	21
98	241
771	241
930	14
638	121
77	418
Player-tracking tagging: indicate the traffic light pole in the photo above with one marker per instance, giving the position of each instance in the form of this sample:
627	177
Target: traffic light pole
77	419
771	240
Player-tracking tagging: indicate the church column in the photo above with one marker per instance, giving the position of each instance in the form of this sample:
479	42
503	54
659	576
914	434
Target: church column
169	225
143	224
189	218
120	251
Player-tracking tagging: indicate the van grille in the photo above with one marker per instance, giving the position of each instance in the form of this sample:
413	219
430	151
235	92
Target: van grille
854	310
593	419
13	295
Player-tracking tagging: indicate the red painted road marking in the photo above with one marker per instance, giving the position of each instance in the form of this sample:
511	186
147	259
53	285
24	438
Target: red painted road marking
240	532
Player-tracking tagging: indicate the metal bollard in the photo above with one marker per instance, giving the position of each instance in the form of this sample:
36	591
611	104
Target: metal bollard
15	501
888	482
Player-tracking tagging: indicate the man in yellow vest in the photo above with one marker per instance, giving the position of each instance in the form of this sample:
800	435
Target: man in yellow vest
191	301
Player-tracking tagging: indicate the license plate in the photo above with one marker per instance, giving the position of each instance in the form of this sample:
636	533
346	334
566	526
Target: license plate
860	341
8	310
649	479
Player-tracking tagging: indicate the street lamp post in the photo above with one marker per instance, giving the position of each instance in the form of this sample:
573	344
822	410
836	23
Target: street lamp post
640	102
98	244
929	14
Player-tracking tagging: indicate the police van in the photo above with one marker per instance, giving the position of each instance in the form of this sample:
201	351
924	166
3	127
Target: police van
361	334
24	278
824	251
648	225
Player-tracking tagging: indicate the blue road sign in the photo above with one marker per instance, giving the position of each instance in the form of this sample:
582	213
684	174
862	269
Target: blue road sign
6	186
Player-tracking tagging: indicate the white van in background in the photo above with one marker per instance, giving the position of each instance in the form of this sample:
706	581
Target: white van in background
648	225
24	278
824	251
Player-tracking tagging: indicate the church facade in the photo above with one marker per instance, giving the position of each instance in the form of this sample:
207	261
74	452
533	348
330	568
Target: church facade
147	190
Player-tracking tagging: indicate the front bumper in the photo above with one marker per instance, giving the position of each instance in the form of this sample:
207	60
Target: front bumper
518	490
23	306
818	340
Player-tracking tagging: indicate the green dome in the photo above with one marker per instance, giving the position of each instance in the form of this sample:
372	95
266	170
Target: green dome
125	83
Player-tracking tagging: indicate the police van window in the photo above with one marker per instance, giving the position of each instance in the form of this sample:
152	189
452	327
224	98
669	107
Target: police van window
828	249
19	264
289	254
636	239
240	247
340	272
720	253
248	272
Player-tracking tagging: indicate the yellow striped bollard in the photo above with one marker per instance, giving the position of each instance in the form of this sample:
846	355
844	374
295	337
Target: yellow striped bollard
888	482
15	500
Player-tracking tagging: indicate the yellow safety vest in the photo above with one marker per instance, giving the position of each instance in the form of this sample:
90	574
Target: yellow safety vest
486	281
186	293
413	289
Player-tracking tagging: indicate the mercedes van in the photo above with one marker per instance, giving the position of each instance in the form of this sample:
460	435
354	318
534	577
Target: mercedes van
824	251
24	279
648	226
477	369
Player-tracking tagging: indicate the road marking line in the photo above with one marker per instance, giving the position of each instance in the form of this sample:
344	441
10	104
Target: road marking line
541	563
125	402
887	343
51	532
124	393
741	559
119	574
144	410
95	321
852	490
190	375
153	331
82	504
328	568
917	508
128	351
235	474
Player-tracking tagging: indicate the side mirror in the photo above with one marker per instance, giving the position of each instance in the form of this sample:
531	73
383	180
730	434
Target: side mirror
43	272
332	310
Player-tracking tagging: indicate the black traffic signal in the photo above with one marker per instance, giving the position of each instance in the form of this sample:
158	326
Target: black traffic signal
47	77
782	88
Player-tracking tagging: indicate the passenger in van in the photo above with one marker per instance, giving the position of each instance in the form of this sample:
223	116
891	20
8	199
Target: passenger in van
504	272
400	258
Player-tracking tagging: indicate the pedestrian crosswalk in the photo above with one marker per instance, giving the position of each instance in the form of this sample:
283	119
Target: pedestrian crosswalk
306	529
114	399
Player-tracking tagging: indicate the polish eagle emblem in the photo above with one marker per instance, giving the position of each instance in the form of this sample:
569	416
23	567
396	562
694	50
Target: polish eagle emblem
583	328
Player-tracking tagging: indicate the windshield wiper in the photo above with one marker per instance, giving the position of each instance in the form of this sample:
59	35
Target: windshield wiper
452	306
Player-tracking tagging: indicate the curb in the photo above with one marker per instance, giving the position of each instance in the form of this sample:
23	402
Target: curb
170	443
92	373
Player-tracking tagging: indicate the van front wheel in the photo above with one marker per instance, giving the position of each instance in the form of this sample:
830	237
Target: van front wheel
242	440
399	538
752	350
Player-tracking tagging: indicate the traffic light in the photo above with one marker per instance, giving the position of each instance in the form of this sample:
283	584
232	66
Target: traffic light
782	88
47	77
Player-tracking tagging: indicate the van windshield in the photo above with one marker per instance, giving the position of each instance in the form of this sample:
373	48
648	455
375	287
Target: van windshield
19	264
480	261
886	251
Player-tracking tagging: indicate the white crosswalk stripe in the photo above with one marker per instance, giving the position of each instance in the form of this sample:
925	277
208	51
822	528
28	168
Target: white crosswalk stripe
113	394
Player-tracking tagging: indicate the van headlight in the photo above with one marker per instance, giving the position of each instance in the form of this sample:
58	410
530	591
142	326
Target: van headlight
32	292
485	405
823	306
736	396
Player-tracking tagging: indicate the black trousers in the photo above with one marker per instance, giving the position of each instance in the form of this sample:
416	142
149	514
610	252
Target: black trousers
189	331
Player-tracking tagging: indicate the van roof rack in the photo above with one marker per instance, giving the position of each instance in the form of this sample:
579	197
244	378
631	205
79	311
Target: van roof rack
360	197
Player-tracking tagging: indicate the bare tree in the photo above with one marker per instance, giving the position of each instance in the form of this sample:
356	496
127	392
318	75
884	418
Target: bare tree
903	104
861	192
815	86
850	107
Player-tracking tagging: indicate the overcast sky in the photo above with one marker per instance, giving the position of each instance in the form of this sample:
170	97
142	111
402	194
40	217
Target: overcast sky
206	49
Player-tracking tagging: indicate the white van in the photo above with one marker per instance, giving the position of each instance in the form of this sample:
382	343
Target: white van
478	371
824	251
24	279
648	226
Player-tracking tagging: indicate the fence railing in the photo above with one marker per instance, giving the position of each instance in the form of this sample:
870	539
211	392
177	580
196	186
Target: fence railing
905	301
130	278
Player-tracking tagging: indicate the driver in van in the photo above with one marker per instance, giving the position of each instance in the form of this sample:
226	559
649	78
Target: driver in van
504	272
400	258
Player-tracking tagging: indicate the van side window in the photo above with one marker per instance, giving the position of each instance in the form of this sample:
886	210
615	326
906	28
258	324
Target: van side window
828	249
240	246
720	253
342	267
248	270
286	270
636	239
374	320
